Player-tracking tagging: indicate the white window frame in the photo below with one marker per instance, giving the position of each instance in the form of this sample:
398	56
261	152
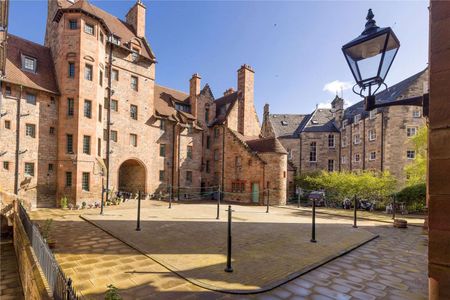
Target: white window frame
332	165
343	159
344	123
332	137
373	155
408	131
27	169
26	66
356	139
30	130
89	29
417	113
133	139
373	114
408	156
357	155
356	118
372	135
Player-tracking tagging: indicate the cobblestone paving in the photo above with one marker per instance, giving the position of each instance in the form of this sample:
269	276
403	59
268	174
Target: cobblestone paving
393	266
10	286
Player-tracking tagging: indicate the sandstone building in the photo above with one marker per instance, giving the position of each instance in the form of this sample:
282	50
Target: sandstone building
339	139
92	87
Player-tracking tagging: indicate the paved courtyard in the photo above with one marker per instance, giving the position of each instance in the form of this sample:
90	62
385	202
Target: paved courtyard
10	286
390	267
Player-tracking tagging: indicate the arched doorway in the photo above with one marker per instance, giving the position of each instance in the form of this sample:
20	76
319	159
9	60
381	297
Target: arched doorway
132	176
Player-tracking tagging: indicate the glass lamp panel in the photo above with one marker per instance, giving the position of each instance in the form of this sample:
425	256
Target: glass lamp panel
368	67
368	48
353	67
391	51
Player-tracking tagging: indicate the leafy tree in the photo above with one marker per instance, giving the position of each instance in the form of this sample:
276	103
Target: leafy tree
417	170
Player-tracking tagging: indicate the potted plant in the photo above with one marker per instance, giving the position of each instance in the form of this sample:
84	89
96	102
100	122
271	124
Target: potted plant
83	205
70	206
112	293
45	232
63	202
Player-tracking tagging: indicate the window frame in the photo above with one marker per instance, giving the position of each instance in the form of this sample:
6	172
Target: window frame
115	78
87	109
85	184
71	22
313	152
69	143
26	58
91	28
408	152
372	155
332	165
373	114
31	98
331	137
6	165
71	70
70	107
372	135
87	144
69	179
30	130
29	165
189	152
88	72
133	111
133	139
162	150
113	135
408	131
7	124
134	83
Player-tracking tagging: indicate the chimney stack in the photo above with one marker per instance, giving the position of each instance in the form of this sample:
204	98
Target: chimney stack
228	91
136	18
248	124
194	91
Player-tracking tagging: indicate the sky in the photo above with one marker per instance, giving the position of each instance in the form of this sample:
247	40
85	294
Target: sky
293	46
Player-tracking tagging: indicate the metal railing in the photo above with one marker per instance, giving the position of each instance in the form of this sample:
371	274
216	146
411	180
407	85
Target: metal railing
59	284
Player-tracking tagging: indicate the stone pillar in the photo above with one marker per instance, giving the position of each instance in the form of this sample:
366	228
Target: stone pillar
438	192
136	18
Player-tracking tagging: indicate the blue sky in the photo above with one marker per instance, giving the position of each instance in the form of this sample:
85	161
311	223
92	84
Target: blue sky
293	46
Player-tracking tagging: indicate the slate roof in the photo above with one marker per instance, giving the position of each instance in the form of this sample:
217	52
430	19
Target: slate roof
391	94
113	24
321	120
286	125
226	101
266	145
44	79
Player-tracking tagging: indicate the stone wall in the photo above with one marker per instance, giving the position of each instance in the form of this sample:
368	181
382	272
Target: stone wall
323	152
275	177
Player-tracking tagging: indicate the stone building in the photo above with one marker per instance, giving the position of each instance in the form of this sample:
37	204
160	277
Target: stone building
339	139
92	87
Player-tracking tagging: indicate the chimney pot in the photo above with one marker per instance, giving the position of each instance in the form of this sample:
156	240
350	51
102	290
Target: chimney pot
228	91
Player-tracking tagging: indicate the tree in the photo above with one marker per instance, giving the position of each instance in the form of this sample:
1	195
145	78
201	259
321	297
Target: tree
416	171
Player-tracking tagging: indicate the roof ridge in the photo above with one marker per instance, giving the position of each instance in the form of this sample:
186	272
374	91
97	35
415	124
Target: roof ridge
172	89
29	41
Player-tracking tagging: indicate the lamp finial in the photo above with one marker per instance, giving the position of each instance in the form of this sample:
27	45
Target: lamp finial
370	24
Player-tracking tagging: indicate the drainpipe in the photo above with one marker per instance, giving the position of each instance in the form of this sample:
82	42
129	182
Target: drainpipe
178	162
173	157
108	120
364	144
351	148
340	151
16	167
382	141
223	161
300	156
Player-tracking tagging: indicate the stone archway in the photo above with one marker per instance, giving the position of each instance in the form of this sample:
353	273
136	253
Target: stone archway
132	176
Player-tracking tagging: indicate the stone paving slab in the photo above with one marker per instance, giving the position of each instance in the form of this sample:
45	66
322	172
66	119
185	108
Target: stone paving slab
268	249
10	285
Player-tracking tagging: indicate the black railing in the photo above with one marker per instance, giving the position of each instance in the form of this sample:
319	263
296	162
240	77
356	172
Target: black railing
59	284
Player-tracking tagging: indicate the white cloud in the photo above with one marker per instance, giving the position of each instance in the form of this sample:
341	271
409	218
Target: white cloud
335	87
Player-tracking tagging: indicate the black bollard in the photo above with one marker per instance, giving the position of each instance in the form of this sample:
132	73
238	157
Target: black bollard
218	204
313	233
354	213
268	198
298	200
138	226
102	203
229	269
393	208
170	197
69	289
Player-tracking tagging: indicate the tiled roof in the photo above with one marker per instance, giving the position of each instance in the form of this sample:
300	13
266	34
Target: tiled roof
287	125
321	120
44	79
266	145
391	94
164	102
116	26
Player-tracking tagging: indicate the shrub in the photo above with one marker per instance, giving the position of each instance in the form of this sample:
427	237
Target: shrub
45	231
414	196
112	293
63	202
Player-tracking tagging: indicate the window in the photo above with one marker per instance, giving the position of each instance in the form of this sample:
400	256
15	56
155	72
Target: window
162	150
71	70
29	63
330	165
183	107
344	141
331	141
31	98
50	167
189	152
357	139
70	106
208	142
113	135
289	151
89	29
85	181
100	78
312	152
73	24
52	100
411	131
114	105
133	112
356	118
52	130
416	114
69	143
100	110
357	157
115	75
88	108
216	132
238	187
134	83
162	124
86	144
411	154
373	114
8	90
162	175
29	169
68	179
216	154
30	130
115	40
344	123
206	114
344	160
105	134
7	124
133	139
190	127
99	147
372	135
373	155
189	177
88	72
207	167
102	37
6	165
237	161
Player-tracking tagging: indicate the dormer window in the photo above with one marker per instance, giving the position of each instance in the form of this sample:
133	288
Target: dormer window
314	122
356	118
29	63
89	29
373	114
344	123
115	40
284	123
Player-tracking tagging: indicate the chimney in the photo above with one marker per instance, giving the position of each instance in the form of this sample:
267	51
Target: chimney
194	91
248	123
136	18
266	110
337	106
228	91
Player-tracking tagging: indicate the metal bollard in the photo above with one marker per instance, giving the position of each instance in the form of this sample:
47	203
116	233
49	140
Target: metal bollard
354	214
267	210
218	203
170	197
298	200
138	226
229	269
313	229
102	203
68	290
393	208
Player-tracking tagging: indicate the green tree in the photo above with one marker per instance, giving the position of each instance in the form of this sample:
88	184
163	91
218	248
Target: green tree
417	170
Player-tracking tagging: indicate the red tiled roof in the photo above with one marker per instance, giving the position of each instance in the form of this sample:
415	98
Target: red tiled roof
44	79
164	100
